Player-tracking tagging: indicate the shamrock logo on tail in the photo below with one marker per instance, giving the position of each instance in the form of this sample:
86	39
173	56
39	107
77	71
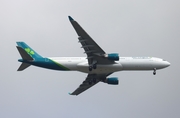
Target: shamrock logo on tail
29	51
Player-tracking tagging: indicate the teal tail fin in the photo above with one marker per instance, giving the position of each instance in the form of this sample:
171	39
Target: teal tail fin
27	54
29	50
24	54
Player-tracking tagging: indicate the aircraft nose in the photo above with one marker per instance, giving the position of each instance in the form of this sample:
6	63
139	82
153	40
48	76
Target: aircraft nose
167	64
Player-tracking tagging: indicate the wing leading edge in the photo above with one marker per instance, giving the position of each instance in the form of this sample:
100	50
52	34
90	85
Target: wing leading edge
90	81
94	55
91	48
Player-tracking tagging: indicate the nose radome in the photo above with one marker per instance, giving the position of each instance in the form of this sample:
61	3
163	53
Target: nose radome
167	64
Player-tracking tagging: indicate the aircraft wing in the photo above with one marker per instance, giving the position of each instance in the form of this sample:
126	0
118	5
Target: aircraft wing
90	81
93	51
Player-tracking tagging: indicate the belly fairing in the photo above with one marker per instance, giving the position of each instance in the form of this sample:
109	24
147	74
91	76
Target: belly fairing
106	68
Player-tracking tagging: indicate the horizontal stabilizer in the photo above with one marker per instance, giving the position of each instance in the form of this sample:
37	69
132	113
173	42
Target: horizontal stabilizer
24	54
23	66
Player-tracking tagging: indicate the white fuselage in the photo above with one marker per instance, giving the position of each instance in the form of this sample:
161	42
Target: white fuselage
124	63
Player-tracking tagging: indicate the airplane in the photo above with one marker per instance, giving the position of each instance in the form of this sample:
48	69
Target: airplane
97	64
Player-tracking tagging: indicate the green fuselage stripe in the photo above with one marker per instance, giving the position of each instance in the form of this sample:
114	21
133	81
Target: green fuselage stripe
65	68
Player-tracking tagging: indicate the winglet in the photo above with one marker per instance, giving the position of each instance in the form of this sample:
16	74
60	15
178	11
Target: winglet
70	18
71	94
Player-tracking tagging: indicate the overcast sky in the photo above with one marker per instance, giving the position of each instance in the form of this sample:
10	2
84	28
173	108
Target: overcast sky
129	27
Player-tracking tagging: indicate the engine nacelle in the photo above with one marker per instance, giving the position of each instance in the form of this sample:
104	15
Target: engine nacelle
112	81
112	56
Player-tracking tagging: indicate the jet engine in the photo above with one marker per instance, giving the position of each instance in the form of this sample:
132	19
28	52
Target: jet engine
112	56
112	81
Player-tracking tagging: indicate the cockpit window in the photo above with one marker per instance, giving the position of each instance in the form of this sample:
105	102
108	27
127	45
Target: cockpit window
164	60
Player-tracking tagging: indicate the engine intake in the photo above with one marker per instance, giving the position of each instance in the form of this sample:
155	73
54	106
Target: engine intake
112	81
112	56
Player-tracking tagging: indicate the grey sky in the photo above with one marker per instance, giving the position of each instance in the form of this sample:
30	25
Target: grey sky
131	28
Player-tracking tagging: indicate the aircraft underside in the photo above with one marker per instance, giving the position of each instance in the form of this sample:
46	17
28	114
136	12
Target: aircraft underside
97	63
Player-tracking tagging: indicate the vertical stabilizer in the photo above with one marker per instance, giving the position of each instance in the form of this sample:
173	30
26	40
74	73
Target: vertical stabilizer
29	50
27	54
24	54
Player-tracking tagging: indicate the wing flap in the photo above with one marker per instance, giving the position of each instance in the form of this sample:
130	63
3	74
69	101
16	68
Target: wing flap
84	38
86	85
91	48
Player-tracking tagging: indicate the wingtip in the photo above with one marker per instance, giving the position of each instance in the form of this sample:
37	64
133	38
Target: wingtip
71	94
70	18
